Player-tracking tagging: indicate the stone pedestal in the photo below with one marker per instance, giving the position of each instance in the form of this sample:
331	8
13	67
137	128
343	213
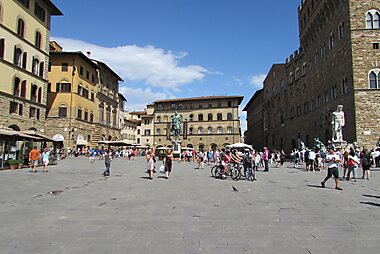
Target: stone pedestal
339	144
176	148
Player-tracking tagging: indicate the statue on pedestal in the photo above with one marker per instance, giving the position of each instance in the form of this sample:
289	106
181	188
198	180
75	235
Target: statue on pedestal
338	123
176	125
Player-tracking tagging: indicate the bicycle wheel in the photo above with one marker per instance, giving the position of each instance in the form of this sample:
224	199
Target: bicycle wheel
235	173
213	169
251	176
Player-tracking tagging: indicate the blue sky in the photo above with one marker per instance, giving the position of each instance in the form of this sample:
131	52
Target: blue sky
181	48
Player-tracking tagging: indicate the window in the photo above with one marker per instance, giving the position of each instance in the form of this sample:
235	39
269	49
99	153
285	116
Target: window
64	67
209	130
147	132
297	73
200	130
219	117
80	89
158	119
180	106
146	121
85	93
63	87
210	105
191	130
200	105
93	78
62	111
209	117
87	75
80	70
34	113
92	96
35	65
200	117
24	60
38	40
92	117
229	103
375	45
229	130
158	132
229	117
373	19
191	117
17	86
344	86
2	48
219	130
39	95
79	113
39	12
304	68
114	118
24	2
331	40
334	93
219	104
42	68
21	28
86	115
108	116
173	106
33	93
23	89
291	77
15	108
374	79
17	57
341	30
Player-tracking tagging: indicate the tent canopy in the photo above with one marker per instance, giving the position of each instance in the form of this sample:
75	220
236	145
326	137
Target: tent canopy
240	145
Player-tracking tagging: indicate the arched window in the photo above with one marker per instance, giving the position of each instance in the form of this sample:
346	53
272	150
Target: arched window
86	115
304	68
79	113
209	130
17	86
200	130
200	117
91	117
158	131
38	39
291	77
2	48
219	117
372	19
191	130
17	56
21	27
191	117
39	95
374	79
158	119
209	117
219	130
297	73
229	130
33	93
229	117
23	89
35	65
42	68
24	59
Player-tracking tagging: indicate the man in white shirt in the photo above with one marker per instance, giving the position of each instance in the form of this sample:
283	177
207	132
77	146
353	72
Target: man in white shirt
311	158
332	162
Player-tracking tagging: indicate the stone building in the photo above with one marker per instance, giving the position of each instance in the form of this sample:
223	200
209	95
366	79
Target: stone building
83	100
209	122
129	129
24	57
337	63
254	134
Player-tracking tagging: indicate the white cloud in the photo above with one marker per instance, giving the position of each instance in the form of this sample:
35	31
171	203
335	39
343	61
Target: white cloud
138	98
257	80
153	66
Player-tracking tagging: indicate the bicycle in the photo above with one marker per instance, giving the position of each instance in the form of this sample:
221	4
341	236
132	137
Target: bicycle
251	174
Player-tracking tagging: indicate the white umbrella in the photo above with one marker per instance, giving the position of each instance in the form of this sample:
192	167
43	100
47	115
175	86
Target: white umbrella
240	145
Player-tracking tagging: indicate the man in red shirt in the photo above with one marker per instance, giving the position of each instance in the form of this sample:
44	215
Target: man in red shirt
34	156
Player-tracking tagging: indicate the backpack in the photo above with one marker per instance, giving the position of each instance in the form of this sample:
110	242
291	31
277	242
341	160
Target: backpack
365	162
246	159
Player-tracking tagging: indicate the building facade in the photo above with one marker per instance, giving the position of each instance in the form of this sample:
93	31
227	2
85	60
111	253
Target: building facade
209	122
24	57
337	64
83	102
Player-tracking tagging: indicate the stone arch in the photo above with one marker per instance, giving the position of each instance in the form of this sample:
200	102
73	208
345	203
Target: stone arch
14	127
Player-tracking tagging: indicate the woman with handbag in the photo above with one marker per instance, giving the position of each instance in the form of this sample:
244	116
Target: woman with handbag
168	163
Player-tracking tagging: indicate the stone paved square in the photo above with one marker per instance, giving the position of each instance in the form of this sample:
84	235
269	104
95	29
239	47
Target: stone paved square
285	211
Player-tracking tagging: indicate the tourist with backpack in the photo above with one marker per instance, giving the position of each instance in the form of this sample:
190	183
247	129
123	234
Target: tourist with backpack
366	164
248	163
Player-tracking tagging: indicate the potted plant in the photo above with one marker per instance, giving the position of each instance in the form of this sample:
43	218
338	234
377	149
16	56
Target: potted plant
20	163
12	163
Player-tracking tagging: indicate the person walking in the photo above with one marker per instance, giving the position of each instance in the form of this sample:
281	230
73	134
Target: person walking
168	163
266	159
34	157
150	164
366	164
332	160
107	163
352	163
45	159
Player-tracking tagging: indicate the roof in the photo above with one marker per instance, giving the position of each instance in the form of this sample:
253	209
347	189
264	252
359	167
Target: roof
122	97
53	9
109	69
202	98
133	120
256	94
77	53
138	113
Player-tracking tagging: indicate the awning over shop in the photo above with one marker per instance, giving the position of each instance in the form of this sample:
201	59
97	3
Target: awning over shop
17	135
39	135
114	143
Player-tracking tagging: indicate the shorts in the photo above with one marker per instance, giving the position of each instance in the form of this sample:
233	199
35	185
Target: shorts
333	172
34	162
46	162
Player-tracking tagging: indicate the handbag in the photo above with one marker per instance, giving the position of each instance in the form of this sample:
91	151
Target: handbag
162	169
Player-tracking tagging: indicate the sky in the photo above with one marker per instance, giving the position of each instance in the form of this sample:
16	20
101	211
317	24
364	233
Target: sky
181	48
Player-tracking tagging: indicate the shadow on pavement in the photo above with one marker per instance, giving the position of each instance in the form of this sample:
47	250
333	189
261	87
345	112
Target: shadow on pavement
370	196
317	186
370	203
